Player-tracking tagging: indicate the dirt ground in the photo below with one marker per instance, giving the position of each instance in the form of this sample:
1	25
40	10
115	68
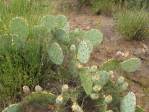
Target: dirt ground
112	43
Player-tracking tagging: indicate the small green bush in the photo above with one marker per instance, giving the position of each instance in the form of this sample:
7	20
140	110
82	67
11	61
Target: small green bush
103	6
137	4
133	25
108	7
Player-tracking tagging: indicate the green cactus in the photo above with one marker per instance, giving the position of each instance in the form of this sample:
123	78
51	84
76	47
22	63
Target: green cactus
62	23
103	78
13	108
131	65
95	36
62	36
41	98
49	22
109	65
86	80
19	27
55	53
128	103
39	31
84	51
77	34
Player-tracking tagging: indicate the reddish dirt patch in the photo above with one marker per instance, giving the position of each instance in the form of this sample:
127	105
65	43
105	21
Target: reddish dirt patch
113	43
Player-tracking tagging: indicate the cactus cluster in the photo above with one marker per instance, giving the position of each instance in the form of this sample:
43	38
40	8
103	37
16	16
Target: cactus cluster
41	99
70	51
95	83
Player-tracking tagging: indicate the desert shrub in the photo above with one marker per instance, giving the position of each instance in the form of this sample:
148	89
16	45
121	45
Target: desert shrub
133	24
103	6
137	4
108	7
67	53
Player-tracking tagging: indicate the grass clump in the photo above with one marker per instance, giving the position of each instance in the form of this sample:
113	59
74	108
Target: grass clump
133	25
103	6
108	7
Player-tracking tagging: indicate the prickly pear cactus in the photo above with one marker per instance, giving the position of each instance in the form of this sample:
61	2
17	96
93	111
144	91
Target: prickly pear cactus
13	108
131	65
103	78
55	53
84	51
128	103
111	64
49	22
62	35
39	31
42	98
95	36
62	22
86	80
19	27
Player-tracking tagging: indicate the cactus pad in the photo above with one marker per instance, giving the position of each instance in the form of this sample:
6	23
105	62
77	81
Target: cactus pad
55	53
42	98
131	65
19	27
13	108
49	22
84	51
95	36
128	103
104	78
39	31
61	22
62	35
111	64
86	80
